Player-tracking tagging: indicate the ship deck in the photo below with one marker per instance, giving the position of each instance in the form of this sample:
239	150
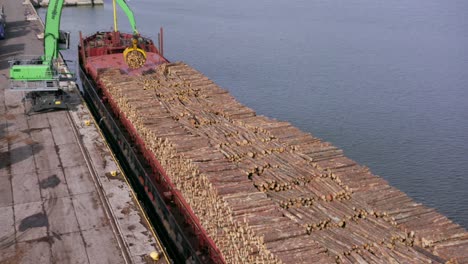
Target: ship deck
95	64
263	190
59	200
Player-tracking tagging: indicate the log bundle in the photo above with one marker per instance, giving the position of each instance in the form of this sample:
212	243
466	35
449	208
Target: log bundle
135	59
266	192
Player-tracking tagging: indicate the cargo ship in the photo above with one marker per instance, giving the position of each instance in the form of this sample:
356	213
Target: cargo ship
226	185
173	219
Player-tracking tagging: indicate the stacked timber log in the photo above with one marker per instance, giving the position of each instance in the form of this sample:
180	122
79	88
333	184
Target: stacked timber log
135	59
266	192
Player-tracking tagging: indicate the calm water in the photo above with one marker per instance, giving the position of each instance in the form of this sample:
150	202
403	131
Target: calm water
386	81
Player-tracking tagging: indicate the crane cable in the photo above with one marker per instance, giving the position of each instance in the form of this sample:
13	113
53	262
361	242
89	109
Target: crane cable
115	16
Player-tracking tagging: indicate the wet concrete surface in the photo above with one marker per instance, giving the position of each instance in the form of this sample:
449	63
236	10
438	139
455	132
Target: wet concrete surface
32	221
49	182
54	206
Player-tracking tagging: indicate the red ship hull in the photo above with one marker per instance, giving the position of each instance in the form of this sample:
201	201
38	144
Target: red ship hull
102	51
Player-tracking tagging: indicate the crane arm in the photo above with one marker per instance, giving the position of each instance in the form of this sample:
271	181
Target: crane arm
52	30
129	13
54	40
52	27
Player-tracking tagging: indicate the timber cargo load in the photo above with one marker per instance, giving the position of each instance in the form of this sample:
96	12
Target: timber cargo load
230	186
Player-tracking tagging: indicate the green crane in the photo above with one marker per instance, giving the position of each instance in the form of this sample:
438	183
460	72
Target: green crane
43	75
129	14
44	68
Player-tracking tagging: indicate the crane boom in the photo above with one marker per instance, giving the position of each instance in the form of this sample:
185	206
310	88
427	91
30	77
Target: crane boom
52	30
131	18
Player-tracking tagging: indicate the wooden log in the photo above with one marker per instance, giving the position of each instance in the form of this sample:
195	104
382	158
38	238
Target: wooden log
258	186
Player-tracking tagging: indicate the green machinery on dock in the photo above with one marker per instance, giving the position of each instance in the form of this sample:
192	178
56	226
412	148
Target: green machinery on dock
46	77
43	76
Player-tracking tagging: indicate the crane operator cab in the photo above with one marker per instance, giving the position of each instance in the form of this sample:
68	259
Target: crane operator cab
64	40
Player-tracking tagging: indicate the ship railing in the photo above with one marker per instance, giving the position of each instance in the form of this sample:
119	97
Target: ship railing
106	117
136	165
61	72
34	86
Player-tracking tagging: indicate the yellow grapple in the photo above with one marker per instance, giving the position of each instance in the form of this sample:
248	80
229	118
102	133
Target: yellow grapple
134	56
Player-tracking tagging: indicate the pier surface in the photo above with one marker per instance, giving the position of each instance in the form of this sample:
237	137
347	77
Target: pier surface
45	3
63	198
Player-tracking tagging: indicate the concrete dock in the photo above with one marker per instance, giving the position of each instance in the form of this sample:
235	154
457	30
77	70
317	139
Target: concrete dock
45	3
63	198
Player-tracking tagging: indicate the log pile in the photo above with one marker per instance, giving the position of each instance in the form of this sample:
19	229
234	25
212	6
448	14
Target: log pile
135	59
265	191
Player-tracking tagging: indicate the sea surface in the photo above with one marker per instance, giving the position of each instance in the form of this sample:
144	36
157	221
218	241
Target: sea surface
386	81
